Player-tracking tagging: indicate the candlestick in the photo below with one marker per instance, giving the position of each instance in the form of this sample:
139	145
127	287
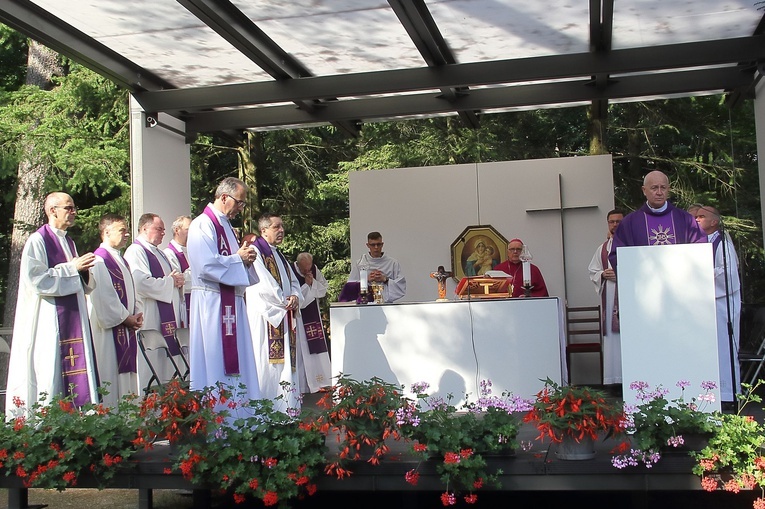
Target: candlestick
364	279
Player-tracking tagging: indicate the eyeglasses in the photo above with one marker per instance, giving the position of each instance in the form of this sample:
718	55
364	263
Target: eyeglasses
68	208
239	203
515	249
614	221
374	244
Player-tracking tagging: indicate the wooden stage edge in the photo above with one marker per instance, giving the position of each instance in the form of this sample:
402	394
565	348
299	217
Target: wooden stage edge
535	470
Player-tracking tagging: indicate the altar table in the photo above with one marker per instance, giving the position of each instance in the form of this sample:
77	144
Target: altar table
453	346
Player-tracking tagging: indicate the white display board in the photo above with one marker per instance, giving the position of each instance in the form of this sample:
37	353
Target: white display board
452	346
667	318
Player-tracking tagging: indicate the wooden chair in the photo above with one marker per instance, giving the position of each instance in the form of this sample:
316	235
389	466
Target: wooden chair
152	340
583	334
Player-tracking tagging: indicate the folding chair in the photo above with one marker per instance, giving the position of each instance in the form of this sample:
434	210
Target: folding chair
152	340
583	334
182	337
751	354
5	349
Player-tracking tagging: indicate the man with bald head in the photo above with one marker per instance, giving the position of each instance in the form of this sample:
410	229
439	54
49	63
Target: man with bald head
658	222
52	350
727	301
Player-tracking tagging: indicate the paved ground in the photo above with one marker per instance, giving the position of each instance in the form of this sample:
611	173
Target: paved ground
103	499
167	499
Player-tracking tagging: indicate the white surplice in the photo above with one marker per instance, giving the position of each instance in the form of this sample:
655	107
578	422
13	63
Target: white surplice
107	311
266	305
35	362
209	270
318	368
173	259
612	340
727	307
395	288
149	290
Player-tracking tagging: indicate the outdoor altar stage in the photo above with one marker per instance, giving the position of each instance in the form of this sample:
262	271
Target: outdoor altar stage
535	476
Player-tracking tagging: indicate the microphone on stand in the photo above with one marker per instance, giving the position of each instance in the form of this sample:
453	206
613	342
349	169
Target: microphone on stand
724	237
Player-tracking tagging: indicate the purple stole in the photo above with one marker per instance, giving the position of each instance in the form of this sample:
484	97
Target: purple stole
166	312
660	230
276	334
184	265
74	365
350	292
124	338
227	304
314	331
615	317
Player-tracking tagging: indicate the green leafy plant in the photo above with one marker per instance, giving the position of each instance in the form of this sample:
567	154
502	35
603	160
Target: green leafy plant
658	423
459	440
265	454
575	411
734	458
52	446
176	413
360	415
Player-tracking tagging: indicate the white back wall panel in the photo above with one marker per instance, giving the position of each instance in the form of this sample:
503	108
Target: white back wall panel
421	211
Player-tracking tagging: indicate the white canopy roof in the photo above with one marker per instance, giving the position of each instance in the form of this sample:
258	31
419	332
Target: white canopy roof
264	64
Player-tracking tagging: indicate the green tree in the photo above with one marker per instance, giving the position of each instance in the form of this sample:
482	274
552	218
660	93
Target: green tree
66	129
709	152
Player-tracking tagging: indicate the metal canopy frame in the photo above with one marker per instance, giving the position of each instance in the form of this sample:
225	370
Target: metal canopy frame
295	97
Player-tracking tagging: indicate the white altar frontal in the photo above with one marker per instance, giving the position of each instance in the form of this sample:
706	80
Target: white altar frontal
453	346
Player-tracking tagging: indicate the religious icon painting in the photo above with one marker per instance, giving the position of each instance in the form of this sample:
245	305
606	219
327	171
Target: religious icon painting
477	250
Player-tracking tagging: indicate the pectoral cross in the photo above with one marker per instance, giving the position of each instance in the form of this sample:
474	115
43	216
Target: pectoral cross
229	320
71	357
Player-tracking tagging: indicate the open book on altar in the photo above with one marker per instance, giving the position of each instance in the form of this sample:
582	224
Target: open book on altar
497	273
484	287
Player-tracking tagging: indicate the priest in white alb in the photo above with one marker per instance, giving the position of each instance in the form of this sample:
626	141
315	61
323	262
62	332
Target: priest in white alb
178	255
379	268
159	288
313	287
52	349
603	277
115	313
220	343
273	305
